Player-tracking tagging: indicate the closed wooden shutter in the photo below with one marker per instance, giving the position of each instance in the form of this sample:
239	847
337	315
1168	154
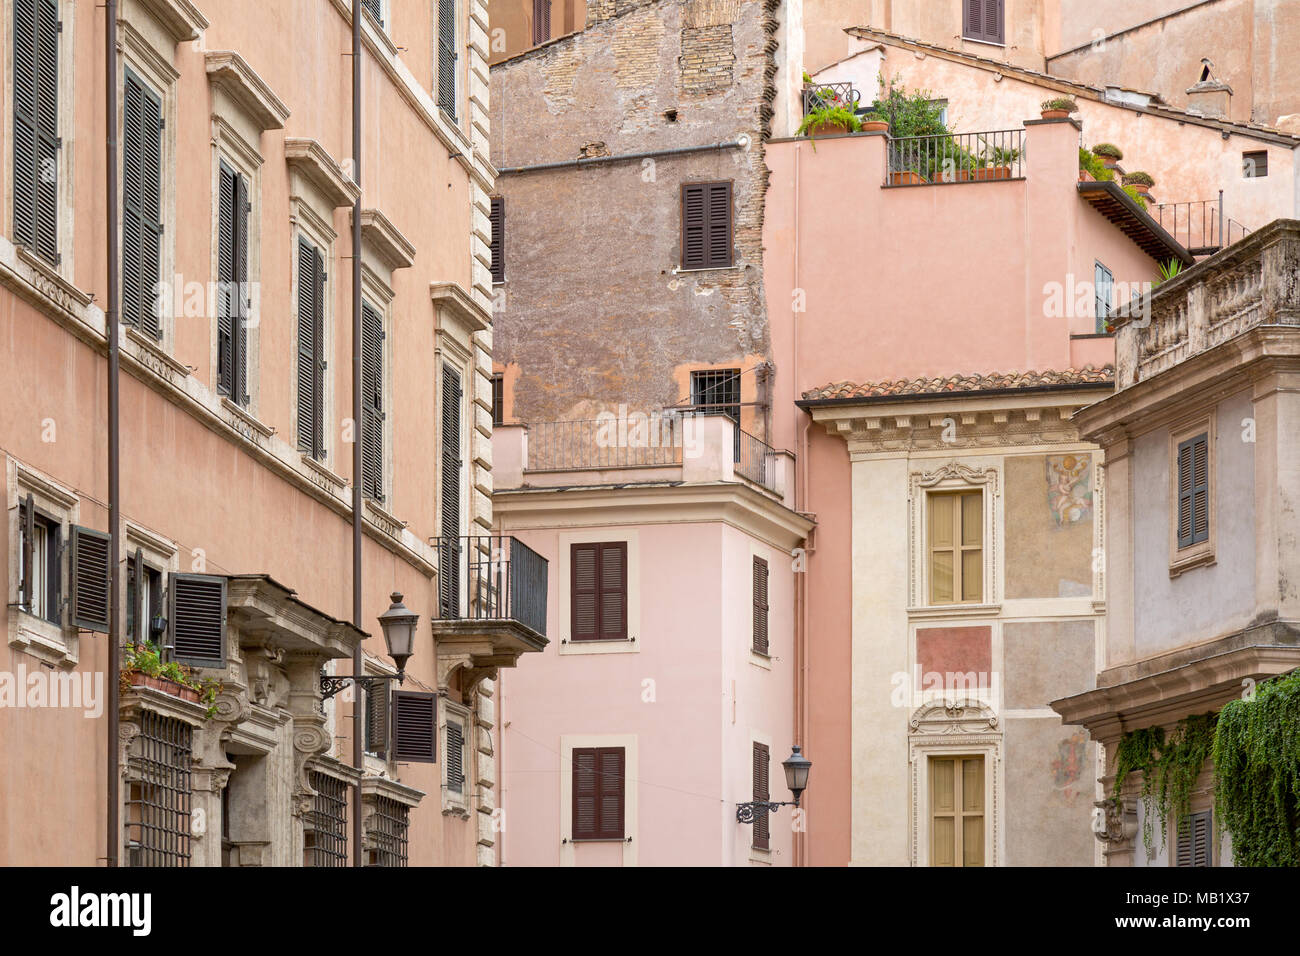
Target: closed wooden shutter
232	284
541	21
599	793
36	126
377	717
375	9
598	591
27	535
142	227
447	57
760	605
372	403
762	765
498	399
449	556
196	619
706	225
455	757
1193	490
498	239
90	579
957	811
983	20
311	364
415	726
1194	835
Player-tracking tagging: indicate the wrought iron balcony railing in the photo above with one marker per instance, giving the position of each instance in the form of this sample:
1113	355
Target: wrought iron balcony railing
830	94
956	158
633	441
1200	226
756	460
491	578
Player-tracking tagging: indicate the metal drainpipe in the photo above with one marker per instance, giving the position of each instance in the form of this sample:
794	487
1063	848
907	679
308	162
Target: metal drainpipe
358	757
113	835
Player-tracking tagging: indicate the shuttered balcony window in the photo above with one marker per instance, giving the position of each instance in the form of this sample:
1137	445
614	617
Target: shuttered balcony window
142	226
706	225
599	793
498	239
1193	490
598	591
983	20
760	574
762	793
372	403
449	555
36	143
311	350
447	57
232	284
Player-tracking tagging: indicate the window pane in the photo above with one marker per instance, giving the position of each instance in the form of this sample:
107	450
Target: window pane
941	577
972	840
972	514
972	569
941	520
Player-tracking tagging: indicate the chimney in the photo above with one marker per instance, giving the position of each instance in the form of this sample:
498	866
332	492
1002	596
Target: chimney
1209	96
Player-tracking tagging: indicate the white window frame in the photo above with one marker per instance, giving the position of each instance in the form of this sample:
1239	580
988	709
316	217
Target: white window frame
52	643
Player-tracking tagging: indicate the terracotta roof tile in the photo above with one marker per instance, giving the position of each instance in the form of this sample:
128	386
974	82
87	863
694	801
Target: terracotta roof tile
963	383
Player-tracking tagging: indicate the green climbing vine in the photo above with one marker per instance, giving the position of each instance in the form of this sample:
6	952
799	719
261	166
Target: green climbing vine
1257	774
1169	768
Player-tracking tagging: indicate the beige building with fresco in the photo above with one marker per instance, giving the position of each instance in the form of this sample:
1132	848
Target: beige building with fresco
238	187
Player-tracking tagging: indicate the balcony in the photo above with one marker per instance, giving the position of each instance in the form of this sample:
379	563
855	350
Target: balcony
949	158
1200	226
491	602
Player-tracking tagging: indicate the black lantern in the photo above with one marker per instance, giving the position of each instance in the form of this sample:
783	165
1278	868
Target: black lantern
796	772
399	634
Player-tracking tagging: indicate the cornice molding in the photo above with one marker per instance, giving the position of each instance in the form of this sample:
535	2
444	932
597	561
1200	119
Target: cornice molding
309	158
453	297
180	18
379	233
231	72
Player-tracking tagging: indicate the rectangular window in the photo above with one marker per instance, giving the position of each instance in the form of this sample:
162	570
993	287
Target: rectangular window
372	403
1193	490
449	556
1103	295
455	757
983	20
498	399
760	606
498	239
956	524
1254	165
717	392
447	57
390	825
311	350
956	811
598	793
142	226
706	225
762	793
39	567
144	597
325	837
598	591
36	126
158	799
1195	840
232	284
541	21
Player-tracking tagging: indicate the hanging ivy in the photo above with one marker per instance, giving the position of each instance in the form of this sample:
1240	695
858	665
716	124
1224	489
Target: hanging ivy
1257	774
1169	768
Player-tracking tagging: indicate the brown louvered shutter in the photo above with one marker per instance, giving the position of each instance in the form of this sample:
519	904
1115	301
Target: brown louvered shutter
372	403
541	21
584	580
706	225
983	20
415	726
761	795
241	303
226	291
455	758
142	226
447	57
36	146
498	399
90	579
613	591
498	239
137	624
311	365
196	619
760	605
1194	835
27	533
611	784
585	794
449	556
377	717
598	591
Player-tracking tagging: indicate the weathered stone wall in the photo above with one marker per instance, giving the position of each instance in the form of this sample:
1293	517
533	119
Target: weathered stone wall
594	312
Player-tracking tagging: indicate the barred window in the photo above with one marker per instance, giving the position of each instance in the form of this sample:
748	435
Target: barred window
325	842
388	829
159	793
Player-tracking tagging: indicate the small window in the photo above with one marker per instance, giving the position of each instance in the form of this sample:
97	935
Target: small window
498	399
760	606
706	226
39	567
1254	165
956	562
498	239
1193	490
983	20
541	21
1195	840
956	811
598	591
762	793
144	600
598	793
717	392
1103	295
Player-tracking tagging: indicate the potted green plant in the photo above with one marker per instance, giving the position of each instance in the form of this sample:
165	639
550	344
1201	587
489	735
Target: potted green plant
1140	181
1110	154
873	123
1059	107
831	117
143	666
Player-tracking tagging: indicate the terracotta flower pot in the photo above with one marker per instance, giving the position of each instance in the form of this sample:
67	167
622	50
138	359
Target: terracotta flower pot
828	129
166	686
1086	177
1142	188
1055	114
875	126
907	177
993	172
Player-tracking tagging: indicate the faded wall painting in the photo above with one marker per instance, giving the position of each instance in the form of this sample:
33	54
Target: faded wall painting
1049	525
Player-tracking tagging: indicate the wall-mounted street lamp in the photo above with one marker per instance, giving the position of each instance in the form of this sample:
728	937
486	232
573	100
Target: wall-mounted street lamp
796	778
398	623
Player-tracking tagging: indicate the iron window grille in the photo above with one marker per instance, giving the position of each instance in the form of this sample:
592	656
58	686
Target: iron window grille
388	832
158	804
326	839
717	392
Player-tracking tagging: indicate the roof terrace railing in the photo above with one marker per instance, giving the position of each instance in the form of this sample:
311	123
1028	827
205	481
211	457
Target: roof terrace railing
996	155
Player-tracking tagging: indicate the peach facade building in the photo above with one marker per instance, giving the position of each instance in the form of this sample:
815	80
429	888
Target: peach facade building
238	201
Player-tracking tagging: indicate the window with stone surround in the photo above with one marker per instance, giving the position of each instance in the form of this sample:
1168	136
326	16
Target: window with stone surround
1192	456
956	811
955	559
